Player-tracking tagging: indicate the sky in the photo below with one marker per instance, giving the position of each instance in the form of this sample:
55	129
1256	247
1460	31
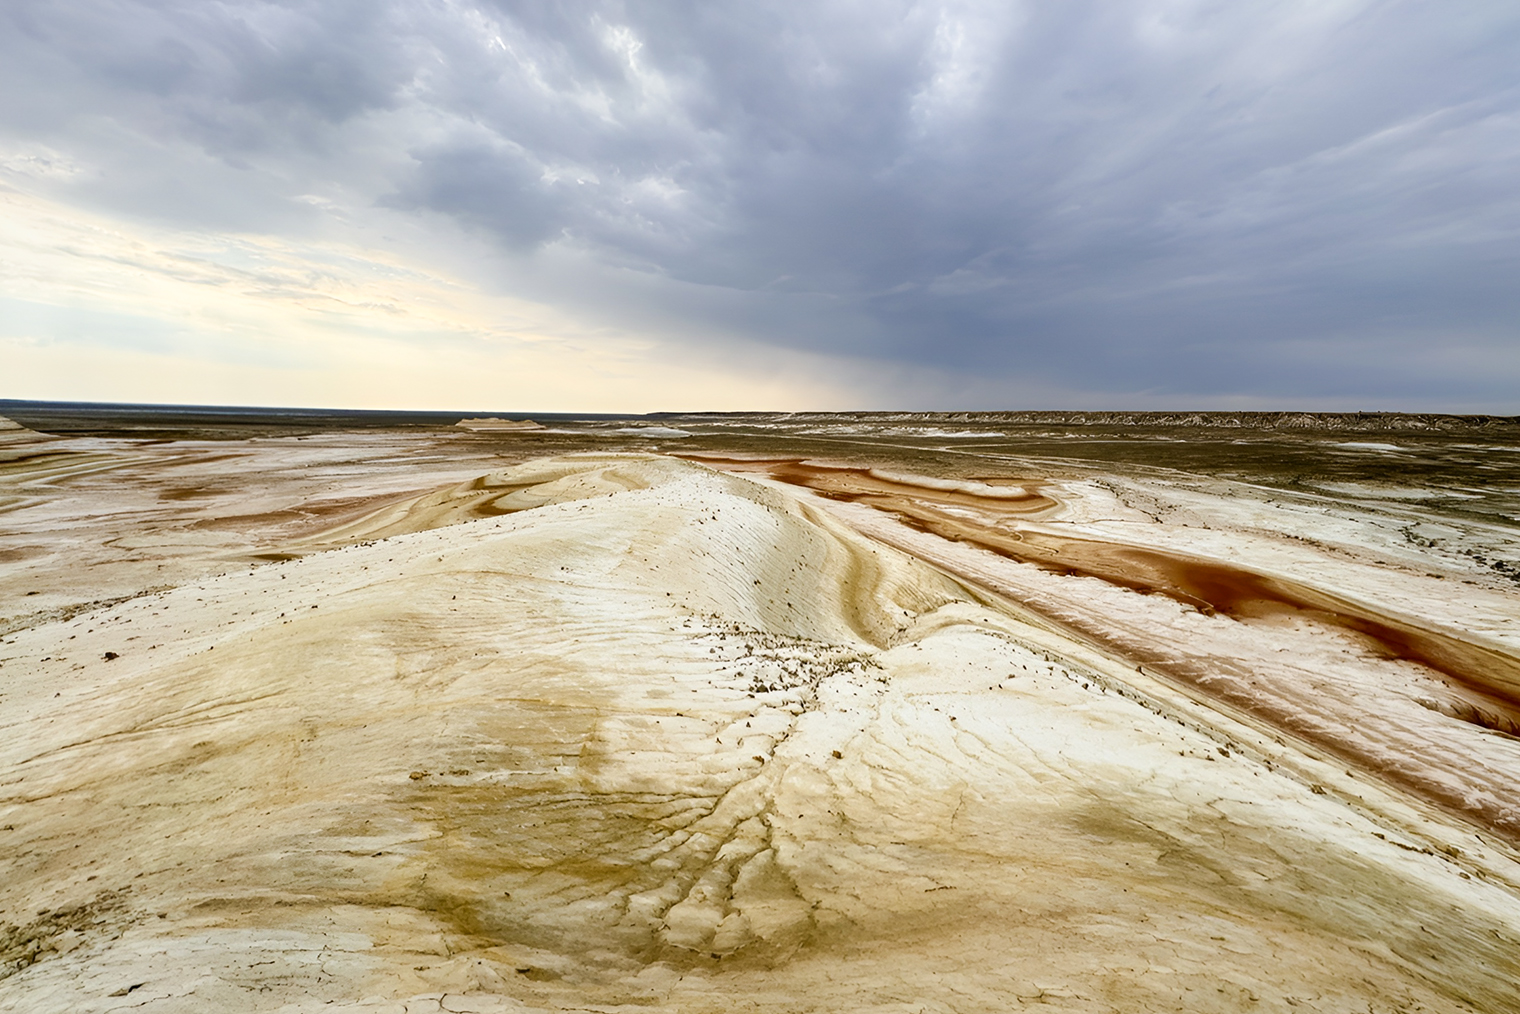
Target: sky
629	207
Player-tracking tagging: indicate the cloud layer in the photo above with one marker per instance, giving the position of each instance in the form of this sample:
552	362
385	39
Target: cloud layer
1123	202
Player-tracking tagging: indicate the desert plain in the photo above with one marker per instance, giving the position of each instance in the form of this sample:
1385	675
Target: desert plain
886	713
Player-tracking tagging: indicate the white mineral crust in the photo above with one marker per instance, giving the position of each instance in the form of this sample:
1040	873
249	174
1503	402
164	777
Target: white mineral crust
672	740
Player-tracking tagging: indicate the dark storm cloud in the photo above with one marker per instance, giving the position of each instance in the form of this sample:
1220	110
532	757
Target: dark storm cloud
1292	199
216	71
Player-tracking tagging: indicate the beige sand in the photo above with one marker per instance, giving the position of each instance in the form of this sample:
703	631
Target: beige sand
671	740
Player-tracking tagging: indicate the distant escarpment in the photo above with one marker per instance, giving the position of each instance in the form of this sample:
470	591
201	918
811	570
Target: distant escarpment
1358	422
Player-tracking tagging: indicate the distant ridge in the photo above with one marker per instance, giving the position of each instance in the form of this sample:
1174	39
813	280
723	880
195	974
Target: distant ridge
1353	421
492	424
1357	422
82	418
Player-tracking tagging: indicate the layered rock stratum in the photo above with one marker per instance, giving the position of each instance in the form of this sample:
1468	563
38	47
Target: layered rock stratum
618	732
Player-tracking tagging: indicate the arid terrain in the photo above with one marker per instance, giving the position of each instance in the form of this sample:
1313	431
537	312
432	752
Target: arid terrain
884	713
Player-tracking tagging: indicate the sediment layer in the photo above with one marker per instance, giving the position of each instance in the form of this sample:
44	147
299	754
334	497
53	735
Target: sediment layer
623	730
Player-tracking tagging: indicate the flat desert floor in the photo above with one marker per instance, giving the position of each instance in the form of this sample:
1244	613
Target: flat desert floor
702	715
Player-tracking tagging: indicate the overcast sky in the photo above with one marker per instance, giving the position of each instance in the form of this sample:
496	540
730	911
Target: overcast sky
637	206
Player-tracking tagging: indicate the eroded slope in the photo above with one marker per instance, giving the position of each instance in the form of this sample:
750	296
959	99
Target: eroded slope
673	739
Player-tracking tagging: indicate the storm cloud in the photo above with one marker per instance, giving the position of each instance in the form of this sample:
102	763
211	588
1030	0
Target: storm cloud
1154	200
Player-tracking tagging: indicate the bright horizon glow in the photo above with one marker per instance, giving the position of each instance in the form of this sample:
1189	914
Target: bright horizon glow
124	313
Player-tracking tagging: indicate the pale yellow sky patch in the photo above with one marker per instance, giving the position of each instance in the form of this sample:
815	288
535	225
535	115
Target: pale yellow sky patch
105	309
